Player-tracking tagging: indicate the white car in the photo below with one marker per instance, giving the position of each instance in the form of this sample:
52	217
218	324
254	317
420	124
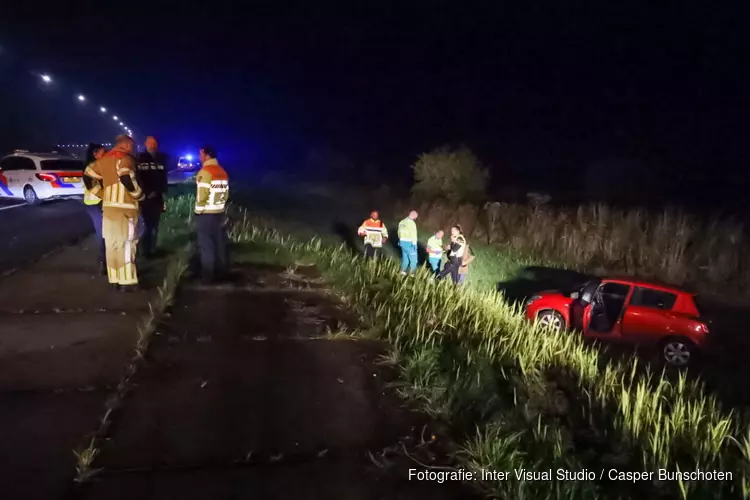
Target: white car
36	177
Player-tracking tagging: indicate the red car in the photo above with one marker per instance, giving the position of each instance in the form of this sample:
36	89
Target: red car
627	311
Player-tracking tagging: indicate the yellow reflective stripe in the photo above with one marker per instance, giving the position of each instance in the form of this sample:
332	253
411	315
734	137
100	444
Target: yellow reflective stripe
91	173
204	185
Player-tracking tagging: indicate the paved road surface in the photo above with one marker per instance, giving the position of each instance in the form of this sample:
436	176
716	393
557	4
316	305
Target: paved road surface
27	233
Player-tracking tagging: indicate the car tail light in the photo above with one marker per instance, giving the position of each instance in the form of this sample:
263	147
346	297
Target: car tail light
46	177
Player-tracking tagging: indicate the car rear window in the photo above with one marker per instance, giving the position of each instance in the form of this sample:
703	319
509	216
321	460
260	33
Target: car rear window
648	297
63	165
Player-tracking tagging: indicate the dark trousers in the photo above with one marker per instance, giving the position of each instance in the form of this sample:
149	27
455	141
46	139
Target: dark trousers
212	245
150	217
451	267
372	252
95	212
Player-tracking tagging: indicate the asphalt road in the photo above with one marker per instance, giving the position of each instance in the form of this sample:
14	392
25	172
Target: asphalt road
27	233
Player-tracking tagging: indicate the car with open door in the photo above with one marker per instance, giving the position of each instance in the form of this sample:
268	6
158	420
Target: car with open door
628	311
35	177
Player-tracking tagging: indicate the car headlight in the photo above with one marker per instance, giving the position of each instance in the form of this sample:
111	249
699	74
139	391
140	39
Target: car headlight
532	299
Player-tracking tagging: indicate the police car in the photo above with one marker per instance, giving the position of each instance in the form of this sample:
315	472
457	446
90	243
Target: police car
36	177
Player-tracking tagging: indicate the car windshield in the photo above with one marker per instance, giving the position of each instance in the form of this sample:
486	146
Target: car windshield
63	165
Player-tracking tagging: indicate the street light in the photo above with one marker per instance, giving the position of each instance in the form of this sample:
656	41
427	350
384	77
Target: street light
46	78
103	109
121	124
114	118
81	97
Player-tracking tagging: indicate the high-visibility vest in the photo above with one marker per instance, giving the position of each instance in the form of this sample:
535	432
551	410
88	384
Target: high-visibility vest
435	247
407	231
212	183
374	231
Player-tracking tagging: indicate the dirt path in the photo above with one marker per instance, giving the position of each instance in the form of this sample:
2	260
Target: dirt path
65	338
245	396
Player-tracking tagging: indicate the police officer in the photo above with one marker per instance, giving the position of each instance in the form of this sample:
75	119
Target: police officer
152	177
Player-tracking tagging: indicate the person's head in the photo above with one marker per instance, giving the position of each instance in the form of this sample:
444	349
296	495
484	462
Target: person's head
456	230
439	234
374	215
413	214
94	152
125	143
206	153
152	145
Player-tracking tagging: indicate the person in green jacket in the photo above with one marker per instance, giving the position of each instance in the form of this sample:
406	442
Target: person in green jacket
435	251
407	240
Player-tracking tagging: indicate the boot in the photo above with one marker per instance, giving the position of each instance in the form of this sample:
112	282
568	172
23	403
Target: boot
130	288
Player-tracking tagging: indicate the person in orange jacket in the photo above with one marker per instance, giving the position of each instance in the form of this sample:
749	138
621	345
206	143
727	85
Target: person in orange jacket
375	234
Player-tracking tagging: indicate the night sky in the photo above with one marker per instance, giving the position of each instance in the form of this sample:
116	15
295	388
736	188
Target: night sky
536	89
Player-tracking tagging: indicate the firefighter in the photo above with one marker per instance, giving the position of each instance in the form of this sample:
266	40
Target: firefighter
375	234
94	207
407	240
457	249
113	178
435	251
152	177
210	207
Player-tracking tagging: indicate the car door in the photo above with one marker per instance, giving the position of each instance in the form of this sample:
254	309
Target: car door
20	173
648	315
603	317
582	303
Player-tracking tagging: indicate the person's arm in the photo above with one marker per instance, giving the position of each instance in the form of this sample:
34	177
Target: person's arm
92	179
127	174
385	233
163	182
203	190
362	230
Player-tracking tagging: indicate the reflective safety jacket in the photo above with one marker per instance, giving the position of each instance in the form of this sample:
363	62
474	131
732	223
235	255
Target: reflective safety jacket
458	247
407	231
213	189
435	247
374	232
90	198
113	179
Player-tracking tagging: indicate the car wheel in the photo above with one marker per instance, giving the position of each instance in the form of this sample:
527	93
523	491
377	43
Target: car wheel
677	351
551	319
30	196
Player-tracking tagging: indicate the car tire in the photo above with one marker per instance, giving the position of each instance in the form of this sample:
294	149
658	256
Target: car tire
30	196
677	351
551	319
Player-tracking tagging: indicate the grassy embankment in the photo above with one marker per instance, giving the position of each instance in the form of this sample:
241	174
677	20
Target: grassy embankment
523	398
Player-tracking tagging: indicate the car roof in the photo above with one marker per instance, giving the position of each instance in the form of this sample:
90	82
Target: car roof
42	156
647	283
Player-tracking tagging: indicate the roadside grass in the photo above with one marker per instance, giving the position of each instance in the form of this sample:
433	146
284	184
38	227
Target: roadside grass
526	398
174	236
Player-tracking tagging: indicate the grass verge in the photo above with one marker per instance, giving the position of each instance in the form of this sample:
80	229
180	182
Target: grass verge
173	236
525	400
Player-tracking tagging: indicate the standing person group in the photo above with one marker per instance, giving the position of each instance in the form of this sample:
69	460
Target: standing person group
375	233
125	198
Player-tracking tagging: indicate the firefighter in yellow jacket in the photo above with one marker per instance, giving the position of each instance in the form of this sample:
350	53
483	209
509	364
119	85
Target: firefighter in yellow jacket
112	178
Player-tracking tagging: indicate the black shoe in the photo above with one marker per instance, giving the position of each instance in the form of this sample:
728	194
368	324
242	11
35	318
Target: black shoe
115	287
130	288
